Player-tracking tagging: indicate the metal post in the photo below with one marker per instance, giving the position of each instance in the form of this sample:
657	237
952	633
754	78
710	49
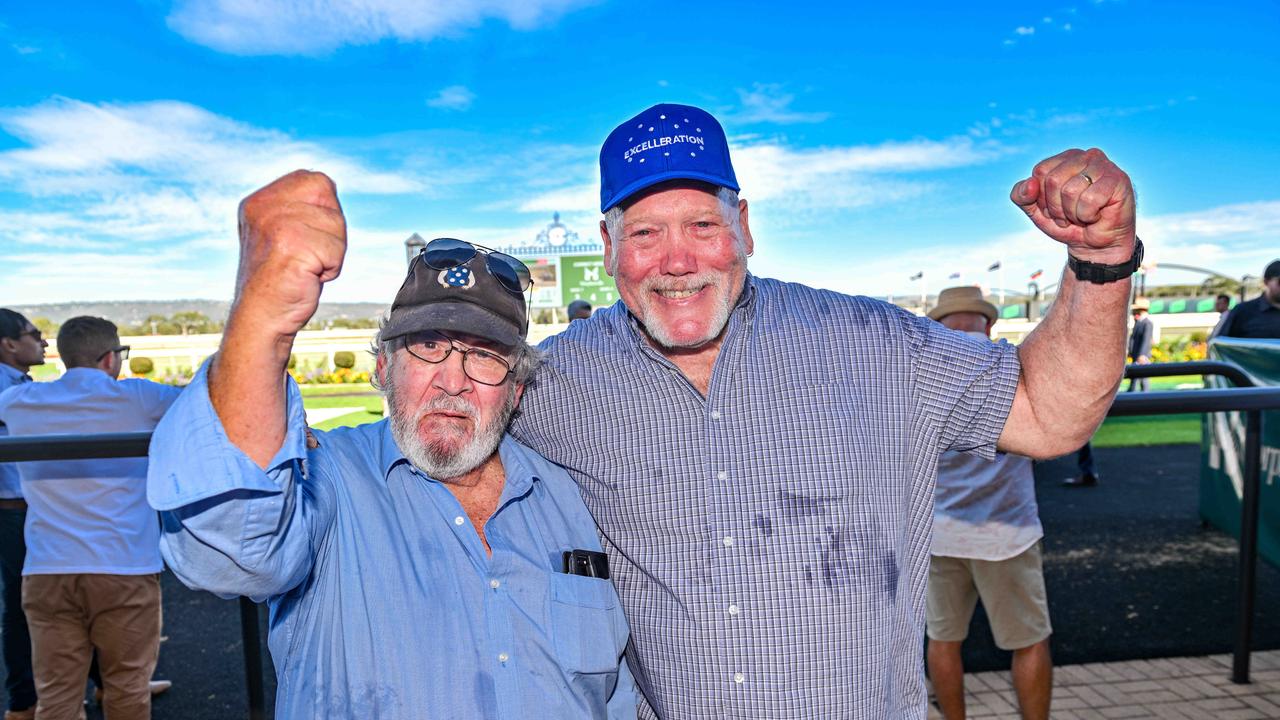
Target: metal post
1248	546
251	637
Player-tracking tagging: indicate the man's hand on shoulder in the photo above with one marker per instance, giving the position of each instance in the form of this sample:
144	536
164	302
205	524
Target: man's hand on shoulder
1083	200
293	238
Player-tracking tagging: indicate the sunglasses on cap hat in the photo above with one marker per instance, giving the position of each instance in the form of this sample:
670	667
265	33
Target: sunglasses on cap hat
449	253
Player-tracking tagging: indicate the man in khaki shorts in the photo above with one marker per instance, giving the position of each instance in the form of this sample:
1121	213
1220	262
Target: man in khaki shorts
986	544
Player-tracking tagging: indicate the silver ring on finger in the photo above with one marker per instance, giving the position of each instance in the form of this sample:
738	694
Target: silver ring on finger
1085	174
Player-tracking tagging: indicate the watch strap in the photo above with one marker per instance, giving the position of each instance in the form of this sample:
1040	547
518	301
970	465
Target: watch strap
1099	273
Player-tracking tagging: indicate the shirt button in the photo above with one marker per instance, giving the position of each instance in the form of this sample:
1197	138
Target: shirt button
494	584
728	541
503	657
458	520
733	609
738	678
722	475
715	414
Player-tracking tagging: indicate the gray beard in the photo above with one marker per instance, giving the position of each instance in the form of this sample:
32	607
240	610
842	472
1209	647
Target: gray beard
435	456
661	334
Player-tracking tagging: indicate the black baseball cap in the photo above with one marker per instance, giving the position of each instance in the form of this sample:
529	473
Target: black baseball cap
466	299
1273	270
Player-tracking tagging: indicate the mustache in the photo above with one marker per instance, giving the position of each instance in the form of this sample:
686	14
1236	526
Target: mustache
687	282
449	403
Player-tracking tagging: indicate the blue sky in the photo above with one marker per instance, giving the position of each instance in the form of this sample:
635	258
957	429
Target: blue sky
872	140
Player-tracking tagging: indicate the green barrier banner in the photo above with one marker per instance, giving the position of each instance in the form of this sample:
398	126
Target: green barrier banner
1222	452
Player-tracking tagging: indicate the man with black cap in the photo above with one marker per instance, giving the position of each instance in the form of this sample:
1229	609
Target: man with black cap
986	544
761	454
1259	317
427	565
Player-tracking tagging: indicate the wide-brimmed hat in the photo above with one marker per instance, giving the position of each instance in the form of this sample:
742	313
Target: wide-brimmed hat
1140	304
963	299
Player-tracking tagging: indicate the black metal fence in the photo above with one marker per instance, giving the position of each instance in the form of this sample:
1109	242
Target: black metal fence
1244	397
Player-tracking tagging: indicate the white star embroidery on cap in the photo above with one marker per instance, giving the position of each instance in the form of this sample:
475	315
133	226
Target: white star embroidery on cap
666	154
641	159
662	117
630	159
640	126
677	126
650	128
699	129
693	154
630	139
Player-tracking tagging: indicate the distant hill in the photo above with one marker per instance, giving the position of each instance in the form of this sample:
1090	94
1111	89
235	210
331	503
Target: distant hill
129	312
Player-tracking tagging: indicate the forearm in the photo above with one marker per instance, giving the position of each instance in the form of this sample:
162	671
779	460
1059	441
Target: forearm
246	384
1071	367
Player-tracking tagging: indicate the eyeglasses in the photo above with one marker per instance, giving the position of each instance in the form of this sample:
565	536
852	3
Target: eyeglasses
122	349
484	366
448	253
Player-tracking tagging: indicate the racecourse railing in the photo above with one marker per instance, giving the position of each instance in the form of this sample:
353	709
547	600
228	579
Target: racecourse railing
1243	398
118	445
1246	398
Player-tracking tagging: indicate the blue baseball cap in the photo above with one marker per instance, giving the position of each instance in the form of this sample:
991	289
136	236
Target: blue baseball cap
665	142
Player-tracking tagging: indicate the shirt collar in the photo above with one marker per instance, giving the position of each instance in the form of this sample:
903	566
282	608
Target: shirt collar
13	374
1264	305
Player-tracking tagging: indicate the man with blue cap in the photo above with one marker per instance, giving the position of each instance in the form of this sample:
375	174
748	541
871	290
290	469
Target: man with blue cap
761	455
425	566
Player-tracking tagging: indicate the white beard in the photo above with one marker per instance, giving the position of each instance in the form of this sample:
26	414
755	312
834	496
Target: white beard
719	317
436	456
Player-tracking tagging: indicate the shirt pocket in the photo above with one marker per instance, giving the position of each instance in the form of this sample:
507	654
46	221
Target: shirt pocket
587	628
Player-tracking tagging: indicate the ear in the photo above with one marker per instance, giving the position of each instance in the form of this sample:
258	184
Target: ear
748	244
380	367
519	393
608	249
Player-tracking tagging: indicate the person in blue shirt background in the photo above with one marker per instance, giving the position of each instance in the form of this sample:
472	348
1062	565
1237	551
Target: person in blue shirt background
417	567
21	348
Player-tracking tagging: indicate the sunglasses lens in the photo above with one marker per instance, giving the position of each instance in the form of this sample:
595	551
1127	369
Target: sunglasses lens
447	253
512	273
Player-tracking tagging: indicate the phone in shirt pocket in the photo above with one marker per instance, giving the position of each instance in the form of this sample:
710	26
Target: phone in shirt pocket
588	629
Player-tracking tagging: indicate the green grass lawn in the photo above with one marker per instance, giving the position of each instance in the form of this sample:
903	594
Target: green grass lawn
364	401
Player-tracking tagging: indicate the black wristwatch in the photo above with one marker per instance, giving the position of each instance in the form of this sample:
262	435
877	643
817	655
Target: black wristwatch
1099	274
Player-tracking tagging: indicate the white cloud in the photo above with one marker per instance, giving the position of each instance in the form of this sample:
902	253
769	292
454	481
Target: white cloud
153	187
454	97
1025	30
310	27
769	103
25	49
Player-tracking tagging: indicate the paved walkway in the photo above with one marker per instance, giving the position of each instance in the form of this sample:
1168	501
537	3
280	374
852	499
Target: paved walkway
1193	687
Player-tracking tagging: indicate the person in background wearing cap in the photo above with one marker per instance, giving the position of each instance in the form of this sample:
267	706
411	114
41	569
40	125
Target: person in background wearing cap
579	310
1140	341
418	567
1259	317
761	455
21	348
986	544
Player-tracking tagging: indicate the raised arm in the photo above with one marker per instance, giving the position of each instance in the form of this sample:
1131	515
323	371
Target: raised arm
292	240
239	516
1073	361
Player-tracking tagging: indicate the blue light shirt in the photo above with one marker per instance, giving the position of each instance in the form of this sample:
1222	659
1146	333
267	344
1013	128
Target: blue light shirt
770	541
384	604
10	481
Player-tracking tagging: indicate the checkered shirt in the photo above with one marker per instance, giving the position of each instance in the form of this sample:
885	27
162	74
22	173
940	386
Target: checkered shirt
770	542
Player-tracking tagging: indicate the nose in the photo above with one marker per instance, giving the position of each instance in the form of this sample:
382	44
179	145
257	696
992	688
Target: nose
678	257
450	378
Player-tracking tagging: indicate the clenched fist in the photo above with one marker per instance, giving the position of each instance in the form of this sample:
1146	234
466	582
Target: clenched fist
1083	200
292	241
